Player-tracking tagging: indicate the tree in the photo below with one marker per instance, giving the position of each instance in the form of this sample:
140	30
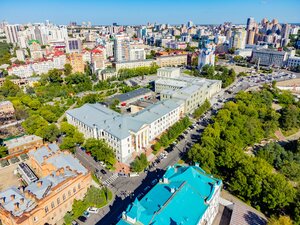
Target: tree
54	76
289	117
67	69
9	89
67	129
282	220
3	151
33	123
204	156
100	150
140	163
48	132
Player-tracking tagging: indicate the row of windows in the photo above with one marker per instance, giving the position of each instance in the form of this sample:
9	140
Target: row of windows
64	197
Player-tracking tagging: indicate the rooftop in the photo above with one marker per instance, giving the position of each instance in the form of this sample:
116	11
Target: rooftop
117	124
167	201
12	143
132	94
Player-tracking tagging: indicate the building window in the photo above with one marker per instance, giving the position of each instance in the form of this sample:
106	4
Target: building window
69	193
78	186
64	197
46	209
52	205
35	219
58	201
74	189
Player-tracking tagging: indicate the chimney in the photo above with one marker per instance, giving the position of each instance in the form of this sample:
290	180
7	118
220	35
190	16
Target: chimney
12	197
21	188
44	157
21	201
16	206
57	173
2	200
39	183
62	171
27	194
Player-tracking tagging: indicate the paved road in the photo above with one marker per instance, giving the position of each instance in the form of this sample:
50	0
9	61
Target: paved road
126	189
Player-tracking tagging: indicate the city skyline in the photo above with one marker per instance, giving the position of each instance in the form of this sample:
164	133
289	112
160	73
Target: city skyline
200	12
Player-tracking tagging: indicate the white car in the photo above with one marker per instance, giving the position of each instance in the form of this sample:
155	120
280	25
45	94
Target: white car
93	210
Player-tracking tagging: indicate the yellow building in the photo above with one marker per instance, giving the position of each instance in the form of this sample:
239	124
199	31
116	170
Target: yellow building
76	61
45	201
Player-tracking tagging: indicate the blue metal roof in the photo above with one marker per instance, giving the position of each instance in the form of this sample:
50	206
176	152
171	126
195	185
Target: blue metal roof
185	187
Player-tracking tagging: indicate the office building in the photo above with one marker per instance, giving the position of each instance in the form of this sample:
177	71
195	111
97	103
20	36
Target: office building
192	91
269	57
184	195
250	23
136	54
128	135
293	61
172	60
62	179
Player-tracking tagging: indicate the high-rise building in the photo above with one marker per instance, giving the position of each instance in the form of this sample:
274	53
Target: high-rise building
11	33
38	34
250	37
122	48
250	23
190	24
238	39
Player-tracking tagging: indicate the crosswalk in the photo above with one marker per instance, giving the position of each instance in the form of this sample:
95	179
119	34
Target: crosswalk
111	179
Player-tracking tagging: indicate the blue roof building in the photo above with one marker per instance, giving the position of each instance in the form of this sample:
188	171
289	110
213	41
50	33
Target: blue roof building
186	195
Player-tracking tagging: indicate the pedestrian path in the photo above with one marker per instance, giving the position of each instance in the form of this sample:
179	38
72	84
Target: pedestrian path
111	179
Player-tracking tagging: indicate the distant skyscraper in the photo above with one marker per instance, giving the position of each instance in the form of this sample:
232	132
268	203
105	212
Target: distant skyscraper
11	33
190	24
38	34
250	23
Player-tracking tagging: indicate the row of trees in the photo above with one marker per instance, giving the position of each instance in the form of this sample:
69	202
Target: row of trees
139	71
202	109
172	133
240	124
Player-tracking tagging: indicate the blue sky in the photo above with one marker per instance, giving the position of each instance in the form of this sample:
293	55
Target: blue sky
141	11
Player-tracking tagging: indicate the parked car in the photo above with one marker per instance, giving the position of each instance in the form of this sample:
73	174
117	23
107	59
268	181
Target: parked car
103	171
154	182
93	210
86	214
82	218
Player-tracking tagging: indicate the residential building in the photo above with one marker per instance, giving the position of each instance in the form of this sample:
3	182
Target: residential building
172	60
134	64
98	59
23	144
20	54
6	107
185	195
73	45
122	48
11	33
137	54
238	39
128	135
76	61
46	200
192	91
269	57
